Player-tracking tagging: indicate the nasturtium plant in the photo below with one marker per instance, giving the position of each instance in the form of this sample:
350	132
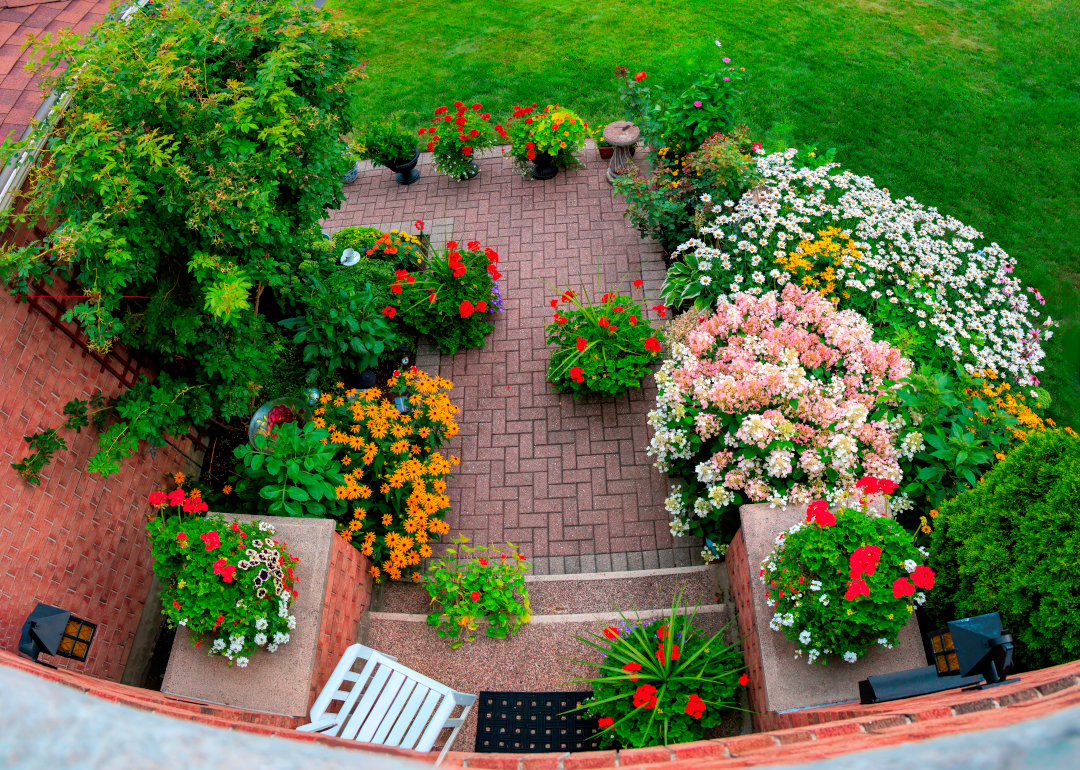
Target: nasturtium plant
469	586
229	583
200	149
291	472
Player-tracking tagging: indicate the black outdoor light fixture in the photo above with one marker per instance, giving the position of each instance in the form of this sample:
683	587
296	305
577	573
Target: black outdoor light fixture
973	652
55	631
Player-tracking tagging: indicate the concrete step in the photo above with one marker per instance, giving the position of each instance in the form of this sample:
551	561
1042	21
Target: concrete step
584	594
543	656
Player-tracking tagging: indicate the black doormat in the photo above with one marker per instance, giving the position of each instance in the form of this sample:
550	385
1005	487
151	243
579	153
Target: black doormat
533	722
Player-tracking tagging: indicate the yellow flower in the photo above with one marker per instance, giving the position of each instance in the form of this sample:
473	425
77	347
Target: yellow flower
425	550
339	384
385	489
325	398
181	584
464	620
387	519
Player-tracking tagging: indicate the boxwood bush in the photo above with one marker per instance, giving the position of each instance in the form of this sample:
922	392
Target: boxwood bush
1012	545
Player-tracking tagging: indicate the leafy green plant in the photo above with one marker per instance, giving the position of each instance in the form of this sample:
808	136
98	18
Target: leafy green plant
290	473
839	583
342	329
79	415
553	130
43	445
385	142
232	605
470	586
1009	545
359	238
200	150
604	348
655	206
706	107
453	298
661	681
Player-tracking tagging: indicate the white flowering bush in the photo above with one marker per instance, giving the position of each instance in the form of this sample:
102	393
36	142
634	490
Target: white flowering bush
931	284
779	399
841	583
229	583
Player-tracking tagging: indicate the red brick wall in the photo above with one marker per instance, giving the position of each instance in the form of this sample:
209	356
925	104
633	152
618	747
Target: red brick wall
77	540
348	595
742	582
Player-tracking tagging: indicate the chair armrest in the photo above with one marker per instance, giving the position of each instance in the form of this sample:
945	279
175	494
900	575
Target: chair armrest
316	727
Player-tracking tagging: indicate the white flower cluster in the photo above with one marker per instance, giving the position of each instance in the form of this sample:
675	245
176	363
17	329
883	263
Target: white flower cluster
884	643
778	620
911	443
850	657
908	254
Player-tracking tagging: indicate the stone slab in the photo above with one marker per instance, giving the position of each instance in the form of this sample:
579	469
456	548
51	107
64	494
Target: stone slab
279	682
789	682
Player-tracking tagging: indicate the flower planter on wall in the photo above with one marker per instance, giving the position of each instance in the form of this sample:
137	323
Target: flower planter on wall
779	680
333	589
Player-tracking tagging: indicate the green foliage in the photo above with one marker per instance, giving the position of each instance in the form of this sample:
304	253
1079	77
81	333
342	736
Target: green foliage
453	299
44	444
605	349
655	207
342	329
949	439
651	674
553	130
815	574
1010	545
384	142
707	107
79	415
477	585
200	150
294	474
358	238
230	605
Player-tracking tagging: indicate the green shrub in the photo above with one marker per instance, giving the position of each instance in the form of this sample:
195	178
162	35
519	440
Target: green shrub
359	238
1011	545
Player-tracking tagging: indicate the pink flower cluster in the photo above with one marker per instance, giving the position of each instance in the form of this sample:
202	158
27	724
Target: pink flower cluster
794	383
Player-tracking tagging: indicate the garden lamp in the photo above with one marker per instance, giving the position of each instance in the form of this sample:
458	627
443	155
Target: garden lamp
55	631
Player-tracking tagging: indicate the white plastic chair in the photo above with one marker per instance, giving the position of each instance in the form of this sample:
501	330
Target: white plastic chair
387	704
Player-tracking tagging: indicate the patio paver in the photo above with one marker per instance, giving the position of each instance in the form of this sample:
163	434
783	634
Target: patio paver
564	480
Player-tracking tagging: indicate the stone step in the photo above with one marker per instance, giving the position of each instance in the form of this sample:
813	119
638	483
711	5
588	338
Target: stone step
543	656
588	593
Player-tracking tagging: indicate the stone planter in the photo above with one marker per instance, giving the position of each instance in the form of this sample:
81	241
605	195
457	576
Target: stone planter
779	681
334	588
405	170
543	167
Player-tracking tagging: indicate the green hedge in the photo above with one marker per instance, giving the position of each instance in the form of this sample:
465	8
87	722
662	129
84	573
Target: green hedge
1012	545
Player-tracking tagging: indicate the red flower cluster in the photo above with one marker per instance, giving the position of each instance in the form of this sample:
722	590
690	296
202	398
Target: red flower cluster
660	653
819	511
696	707
467	308
632	668
744	680
581	342
652	345
181	540
227	571
389	311
661	310
577	374
605	722
864	561
901	588
923	577
211	539
871	486
611	633
857	588
157	499
645	697
640	76
458	121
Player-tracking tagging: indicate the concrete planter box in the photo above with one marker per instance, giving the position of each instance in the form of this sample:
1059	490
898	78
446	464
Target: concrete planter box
780	682
334	588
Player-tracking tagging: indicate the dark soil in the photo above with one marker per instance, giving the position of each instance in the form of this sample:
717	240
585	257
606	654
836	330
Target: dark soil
159	660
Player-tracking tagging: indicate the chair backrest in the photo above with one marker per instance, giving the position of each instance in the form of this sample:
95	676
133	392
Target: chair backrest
400	707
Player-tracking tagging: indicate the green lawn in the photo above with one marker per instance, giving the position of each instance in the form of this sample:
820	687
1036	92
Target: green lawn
970	106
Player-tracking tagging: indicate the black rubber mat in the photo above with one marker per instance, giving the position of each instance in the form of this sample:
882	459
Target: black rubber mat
533	722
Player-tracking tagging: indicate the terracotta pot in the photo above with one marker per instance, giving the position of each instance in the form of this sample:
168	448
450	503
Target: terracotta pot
606	152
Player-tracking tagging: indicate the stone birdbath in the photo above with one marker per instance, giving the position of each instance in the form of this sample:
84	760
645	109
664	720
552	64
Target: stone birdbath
622	136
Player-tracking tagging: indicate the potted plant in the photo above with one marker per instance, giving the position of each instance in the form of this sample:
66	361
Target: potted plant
605	149
542	141
385	143
456	136
841	583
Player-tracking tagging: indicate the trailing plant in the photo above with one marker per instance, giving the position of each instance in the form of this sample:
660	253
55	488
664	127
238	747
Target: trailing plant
1009	545
453	298
386	143
231	605
200	150
455	138
343	328
777	399
553	130
290	473
661	681
394	474
43	445
842	582
604	348
477	585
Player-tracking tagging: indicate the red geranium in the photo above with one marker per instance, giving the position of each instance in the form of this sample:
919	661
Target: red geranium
632	668
157	499
466	308
211	539
901	588
611	633
582	343
605	722
661	310
857	588
638	282
389	311
577	374
744	680
923	577
652	345
695	707
645	697
819	511
864	561
472	245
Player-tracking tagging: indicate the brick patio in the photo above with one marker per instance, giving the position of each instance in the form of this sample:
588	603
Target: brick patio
567	481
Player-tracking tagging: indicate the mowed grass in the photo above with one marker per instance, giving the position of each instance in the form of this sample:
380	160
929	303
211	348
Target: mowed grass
967	105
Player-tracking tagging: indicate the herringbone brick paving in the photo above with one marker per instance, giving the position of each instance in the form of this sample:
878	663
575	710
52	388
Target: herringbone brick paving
564	480
77	541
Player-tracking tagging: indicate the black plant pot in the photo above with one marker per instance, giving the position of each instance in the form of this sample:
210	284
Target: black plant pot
543	167
470	173
406	170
